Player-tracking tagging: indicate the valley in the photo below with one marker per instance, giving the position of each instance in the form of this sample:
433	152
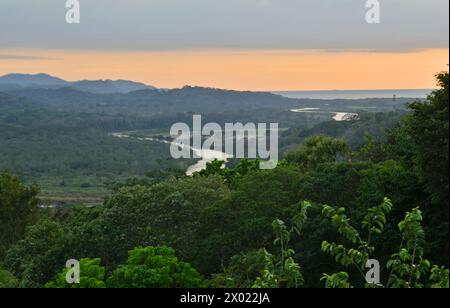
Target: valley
60	136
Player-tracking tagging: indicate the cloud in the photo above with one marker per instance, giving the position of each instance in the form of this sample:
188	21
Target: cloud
20	57
244	24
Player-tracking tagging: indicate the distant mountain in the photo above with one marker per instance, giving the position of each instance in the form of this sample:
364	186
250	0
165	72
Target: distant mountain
109	86
44	81
6	99
185	100
96	86
126	86
32	81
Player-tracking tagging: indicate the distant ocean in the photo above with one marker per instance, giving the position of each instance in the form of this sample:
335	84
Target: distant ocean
356	94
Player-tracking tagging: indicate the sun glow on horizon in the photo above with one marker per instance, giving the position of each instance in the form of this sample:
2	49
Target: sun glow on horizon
256	70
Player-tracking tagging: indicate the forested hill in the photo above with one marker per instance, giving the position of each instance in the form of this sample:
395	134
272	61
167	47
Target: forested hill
189	99
179	100
60	137
45	81
313	221
11	100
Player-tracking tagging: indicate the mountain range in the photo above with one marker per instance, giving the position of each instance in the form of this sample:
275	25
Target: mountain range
44	81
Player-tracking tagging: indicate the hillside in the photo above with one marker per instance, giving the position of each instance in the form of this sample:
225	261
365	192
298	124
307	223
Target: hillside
45	81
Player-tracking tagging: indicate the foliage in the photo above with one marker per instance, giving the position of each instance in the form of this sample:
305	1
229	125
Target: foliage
337	281
155	267
408	268
18	205
428	125
64	135
373	224
408	265
92	276
281	270
242	270
168	213
439	277
240	225
318	150
35	259
242	221
7	280
232	176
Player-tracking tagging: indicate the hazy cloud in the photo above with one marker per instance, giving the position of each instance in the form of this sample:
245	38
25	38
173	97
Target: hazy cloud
248	24
20	57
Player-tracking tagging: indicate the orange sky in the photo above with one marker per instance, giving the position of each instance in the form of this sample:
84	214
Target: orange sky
239	69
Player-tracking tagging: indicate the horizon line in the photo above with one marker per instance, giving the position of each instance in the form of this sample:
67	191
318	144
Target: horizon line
225	88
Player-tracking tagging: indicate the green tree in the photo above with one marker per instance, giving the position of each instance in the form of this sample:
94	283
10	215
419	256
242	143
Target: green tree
318	150
18	205
168	213
408	268
357	256
282	270
428	126
242	221
92	276
36	259
337	281
242	270
7	280
439	277
155	267
232	176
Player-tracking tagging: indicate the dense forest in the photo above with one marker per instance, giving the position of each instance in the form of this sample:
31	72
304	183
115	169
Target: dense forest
60	138
344	193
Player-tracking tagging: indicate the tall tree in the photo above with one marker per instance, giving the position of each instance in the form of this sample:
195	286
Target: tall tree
18	205
428	125
7	280
92	276
155	267
318	150
37	258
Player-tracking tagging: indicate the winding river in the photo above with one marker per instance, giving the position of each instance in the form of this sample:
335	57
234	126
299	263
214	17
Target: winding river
207	156
338	116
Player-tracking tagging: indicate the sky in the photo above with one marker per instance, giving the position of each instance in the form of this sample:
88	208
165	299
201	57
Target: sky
237	44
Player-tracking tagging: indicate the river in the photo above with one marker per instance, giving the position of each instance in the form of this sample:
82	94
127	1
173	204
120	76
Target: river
207	156
338	116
